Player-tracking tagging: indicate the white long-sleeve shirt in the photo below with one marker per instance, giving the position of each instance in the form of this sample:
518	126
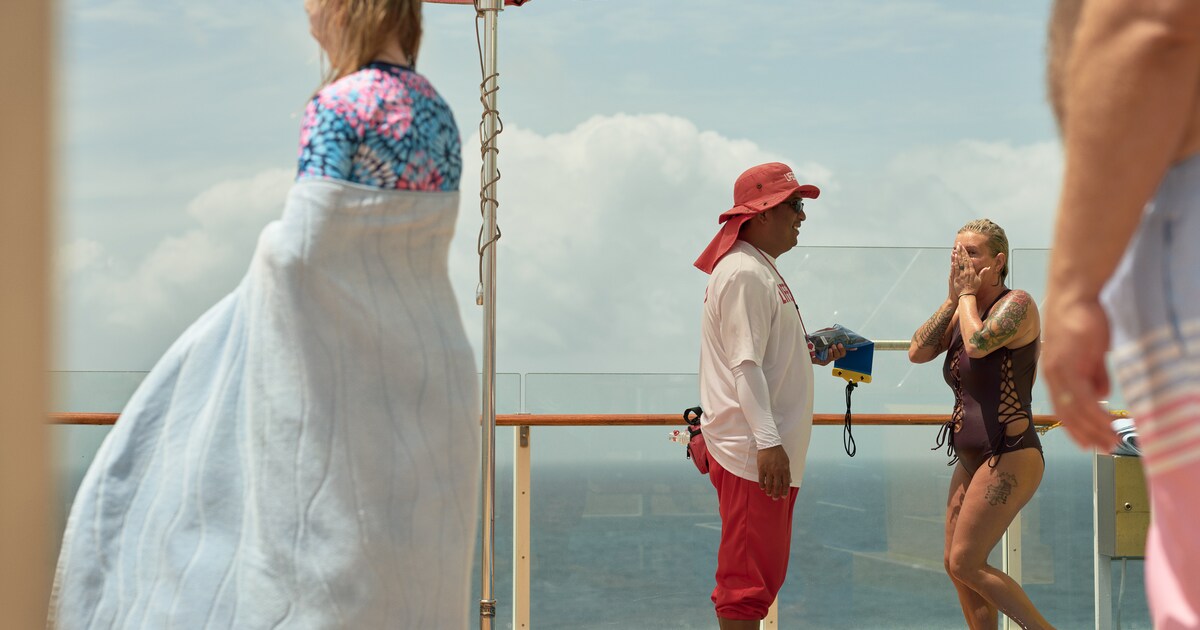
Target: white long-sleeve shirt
750	315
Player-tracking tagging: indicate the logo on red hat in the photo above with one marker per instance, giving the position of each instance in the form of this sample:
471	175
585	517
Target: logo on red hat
789	176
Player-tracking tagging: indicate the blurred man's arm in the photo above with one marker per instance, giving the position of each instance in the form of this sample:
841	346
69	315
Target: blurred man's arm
1129	94
1128	99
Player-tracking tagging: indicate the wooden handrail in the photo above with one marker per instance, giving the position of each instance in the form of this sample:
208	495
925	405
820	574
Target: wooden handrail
84	418
621	419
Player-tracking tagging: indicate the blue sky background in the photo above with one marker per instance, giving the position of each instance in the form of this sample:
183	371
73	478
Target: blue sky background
626	124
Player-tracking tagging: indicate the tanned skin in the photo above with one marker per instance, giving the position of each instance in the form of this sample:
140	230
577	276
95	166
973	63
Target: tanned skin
932	333
1004	323
984	497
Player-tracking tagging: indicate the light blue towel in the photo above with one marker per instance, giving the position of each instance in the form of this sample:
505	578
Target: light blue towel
306	454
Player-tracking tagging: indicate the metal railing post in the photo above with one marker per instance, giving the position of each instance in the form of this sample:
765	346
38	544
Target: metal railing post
771	621
1010	559
1101	564
522	528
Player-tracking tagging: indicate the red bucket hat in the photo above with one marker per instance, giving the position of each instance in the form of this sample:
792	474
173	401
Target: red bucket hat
757	190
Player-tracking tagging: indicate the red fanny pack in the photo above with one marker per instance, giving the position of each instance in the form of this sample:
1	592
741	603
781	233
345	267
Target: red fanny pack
697	450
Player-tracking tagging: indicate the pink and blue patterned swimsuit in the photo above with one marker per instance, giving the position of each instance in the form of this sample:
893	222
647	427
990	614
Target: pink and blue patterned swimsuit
382	126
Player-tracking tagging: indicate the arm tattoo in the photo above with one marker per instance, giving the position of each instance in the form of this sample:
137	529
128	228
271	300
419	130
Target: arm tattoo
1001	489
1002	325
933	331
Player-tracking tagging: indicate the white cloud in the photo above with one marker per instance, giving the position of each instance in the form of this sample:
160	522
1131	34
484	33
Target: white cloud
139	308
601	225
79	255
924	195
241	204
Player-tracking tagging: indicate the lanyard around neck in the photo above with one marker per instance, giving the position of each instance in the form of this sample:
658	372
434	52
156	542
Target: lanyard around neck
767	259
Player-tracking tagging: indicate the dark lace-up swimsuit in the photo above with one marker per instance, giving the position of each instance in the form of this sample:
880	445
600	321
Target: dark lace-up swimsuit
990	394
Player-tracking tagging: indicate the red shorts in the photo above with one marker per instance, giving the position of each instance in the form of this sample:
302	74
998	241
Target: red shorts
756	539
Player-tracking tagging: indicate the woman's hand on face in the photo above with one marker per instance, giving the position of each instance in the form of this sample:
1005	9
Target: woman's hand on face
952	295
963	278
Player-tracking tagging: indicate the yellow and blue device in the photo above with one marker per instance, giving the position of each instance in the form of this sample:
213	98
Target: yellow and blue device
855	367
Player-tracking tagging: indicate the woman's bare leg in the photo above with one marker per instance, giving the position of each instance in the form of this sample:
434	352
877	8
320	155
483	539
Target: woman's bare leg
979	612
993	499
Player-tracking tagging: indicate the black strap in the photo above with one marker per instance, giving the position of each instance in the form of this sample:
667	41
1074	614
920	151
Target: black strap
691	416
847	436
945	437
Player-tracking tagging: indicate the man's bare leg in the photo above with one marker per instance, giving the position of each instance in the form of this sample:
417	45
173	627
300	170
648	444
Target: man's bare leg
739	624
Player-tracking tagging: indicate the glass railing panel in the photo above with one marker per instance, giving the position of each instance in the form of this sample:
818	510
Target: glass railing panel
621	544
878	292
508	393
886	294
94	392
867	548
75	445
1057	545
1028	271
1056	537
868	534
868	529
609	393
107	392
1130	610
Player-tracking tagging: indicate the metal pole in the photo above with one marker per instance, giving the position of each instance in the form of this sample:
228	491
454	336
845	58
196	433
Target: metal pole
487	604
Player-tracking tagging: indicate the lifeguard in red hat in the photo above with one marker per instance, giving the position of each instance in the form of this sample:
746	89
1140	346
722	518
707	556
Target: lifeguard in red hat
756	388
758	190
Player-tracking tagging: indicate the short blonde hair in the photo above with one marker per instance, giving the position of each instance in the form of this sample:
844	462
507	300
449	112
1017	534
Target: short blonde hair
997	240
361	28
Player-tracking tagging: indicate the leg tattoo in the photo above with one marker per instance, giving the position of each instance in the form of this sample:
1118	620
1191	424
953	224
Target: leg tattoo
1000	490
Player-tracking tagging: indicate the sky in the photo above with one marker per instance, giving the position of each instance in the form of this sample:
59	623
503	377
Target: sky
625	125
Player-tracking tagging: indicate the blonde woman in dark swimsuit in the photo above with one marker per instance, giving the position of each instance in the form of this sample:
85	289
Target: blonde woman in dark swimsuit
990	334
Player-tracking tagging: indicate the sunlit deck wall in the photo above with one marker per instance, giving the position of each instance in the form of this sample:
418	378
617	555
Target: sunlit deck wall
624	530
26	59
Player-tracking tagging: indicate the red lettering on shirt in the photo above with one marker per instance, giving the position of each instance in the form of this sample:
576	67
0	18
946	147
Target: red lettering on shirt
785	294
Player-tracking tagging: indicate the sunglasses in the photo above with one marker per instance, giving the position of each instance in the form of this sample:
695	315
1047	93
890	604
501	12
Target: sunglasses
797	205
